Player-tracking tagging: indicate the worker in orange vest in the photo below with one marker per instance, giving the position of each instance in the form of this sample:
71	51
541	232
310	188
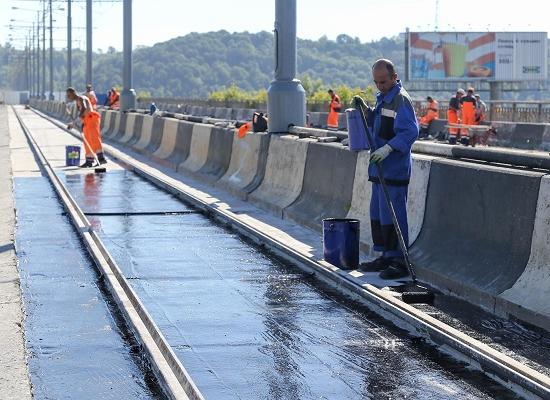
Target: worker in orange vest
469	104
114	99
90	128
432	112
334	110
90	94
453	114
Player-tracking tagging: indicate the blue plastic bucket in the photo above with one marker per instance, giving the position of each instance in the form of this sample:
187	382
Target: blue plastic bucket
72	156
341	242
356	131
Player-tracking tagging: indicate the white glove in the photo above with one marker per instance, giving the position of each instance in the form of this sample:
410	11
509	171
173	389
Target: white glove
380	154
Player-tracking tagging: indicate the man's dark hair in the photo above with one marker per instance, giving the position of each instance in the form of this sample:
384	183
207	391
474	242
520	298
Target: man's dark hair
71	89
330	91
383	62
429	98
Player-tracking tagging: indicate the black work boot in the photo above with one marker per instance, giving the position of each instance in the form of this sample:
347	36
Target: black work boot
89	163
396	270
101	158
379	264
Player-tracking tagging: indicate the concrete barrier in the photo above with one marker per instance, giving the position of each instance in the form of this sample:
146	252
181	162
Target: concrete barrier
144	137
115	126
219	154
328	185
247	166
284	173
136	131
198	153
121	129
476	236
128	132
416	204
182	144
528	298
156	135
527	136
107	121
168	142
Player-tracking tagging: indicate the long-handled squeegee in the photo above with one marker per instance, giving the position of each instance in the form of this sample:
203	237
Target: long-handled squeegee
414	293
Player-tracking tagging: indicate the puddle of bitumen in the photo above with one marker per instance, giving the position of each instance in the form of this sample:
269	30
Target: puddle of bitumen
77	344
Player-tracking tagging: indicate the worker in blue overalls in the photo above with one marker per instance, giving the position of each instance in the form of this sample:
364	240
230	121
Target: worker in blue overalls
394	126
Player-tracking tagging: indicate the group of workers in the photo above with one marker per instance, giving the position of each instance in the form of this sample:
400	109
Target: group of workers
86	105
465	109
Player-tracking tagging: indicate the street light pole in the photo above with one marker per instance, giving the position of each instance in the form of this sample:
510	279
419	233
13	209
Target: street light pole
128	95
38	56
44	50
286	98
88	42
51	51
32	60
69	44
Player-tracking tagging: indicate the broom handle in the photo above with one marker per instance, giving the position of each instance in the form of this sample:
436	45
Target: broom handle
401	240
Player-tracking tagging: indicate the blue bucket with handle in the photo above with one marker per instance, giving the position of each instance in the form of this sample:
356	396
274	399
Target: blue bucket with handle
72	156
356	131
341	242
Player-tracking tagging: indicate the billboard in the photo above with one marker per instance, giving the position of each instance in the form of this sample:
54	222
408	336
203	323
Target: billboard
501	56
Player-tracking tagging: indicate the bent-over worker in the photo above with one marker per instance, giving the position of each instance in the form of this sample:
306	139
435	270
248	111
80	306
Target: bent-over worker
90	128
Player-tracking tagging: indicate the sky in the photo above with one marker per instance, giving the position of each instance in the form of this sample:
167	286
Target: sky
160	20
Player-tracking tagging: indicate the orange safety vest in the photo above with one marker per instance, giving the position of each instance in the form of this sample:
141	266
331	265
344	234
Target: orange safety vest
93	99
114	100
431	114
335	107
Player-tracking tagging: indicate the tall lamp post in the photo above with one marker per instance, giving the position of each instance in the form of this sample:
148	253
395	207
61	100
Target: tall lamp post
69	44
128	95
89	42
286	98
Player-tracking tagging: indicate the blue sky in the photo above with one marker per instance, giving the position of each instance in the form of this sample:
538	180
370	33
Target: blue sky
159	20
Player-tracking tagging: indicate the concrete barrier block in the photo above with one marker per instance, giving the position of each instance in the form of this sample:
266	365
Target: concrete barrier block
284	173
527	136
182	144
144	137
168	140
476	235
128	132
328	185
245	172
198	153
136	130
219	154
156	136
532	290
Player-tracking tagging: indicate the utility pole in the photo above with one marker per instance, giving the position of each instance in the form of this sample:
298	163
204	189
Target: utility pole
38	92
69	44
286	98
32	61
128	95
27	64
51	51
88	42
43	50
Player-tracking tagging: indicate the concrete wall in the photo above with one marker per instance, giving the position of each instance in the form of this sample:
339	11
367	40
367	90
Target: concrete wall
477	231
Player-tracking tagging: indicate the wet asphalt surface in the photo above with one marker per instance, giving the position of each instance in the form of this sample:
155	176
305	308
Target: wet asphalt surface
77	345
244	324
